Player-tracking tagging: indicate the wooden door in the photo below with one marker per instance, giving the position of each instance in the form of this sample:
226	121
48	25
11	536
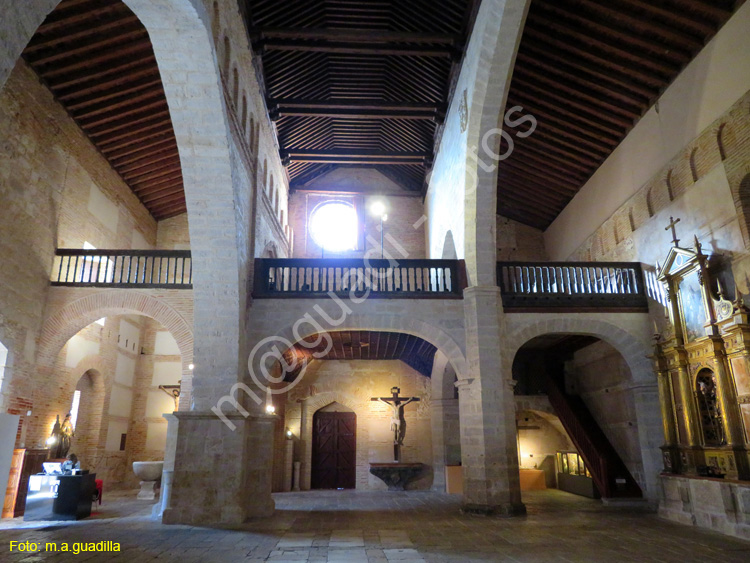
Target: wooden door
334	454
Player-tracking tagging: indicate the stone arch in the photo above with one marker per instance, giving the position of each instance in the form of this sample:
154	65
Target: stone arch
70	319
650	207
494	43
227	61
251	133
92	406
721	142
243	113
385	323
215	22
235	86
742	205
670	185
635	352
172	24
633	349
270	251
449	247
694	164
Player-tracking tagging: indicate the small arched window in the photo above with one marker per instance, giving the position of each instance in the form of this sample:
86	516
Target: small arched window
3	363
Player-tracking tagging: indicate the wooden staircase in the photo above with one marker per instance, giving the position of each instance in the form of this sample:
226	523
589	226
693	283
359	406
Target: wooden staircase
611	476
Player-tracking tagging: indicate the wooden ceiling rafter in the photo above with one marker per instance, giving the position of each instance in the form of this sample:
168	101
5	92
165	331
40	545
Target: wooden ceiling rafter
588	71
97	60
363	76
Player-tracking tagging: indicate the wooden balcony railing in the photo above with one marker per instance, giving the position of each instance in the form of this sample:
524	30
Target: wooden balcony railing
576	286
414	279
168	269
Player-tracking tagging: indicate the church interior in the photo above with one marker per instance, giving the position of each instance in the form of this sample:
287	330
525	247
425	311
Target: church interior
370	280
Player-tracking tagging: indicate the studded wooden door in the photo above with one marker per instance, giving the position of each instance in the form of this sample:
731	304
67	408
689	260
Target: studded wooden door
334	454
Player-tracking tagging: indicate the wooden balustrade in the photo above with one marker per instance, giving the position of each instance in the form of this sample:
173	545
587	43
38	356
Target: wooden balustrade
577	286
304	277
168	269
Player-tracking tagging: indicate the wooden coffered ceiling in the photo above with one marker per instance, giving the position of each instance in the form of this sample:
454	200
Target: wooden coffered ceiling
358	83
96	58
588	70
364	345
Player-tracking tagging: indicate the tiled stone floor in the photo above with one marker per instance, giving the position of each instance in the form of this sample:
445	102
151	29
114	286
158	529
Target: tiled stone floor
352	527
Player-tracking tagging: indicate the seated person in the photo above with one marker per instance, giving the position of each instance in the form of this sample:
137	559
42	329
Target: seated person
70	464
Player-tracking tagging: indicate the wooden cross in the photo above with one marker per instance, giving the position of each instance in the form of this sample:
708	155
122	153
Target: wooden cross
672	224
398	425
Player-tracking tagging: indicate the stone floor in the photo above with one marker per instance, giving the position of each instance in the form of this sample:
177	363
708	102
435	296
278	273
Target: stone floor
352	527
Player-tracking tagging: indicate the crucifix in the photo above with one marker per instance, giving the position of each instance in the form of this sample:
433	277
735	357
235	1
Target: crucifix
672	224
398	424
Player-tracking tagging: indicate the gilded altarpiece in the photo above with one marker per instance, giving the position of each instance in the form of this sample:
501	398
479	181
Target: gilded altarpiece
703	367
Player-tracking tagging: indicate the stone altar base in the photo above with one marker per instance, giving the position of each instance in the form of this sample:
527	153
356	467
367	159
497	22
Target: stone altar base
396	475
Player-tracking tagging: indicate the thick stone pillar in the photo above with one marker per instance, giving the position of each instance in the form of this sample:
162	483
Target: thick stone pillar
487	412
446	440
221	475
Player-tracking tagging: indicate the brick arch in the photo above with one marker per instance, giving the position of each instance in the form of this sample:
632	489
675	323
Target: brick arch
632	348
394	323
70	319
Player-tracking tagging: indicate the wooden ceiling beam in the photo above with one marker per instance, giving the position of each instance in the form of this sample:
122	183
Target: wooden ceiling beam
596	108
355	48
157	150
146	165
62	19
154	172
575	36
105	57
353	114
526	75
665	31
157	107
124	70
357	35
133	79
147	149
128	146
145	186
75	34
606	30
576	50
155	118
679	17
119	103
123	36
176	194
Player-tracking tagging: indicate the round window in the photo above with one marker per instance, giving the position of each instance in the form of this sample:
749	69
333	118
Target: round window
333	226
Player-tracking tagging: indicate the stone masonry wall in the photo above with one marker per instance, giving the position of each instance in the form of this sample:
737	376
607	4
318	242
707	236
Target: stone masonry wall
352	384
58	191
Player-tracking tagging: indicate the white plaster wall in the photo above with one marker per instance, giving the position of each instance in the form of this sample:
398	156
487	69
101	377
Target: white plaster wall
709	85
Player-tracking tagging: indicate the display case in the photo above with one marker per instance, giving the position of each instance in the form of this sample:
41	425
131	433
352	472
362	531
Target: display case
573	476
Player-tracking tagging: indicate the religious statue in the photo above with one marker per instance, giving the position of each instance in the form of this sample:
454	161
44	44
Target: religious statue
66	434
59	439
398	424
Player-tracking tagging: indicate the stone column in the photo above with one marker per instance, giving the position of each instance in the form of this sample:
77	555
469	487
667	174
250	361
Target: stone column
487	412
222	475
170	453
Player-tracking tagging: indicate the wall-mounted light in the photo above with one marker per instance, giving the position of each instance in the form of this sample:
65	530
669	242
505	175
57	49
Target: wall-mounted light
289	434
51	441
190	367
270	409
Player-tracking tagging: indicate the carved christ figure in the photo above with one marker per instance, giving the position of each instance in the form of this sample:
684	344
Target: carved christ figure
397	415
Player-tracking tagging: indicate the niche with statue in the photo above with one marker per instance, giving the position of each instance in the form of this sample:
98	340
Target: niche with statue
701	359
